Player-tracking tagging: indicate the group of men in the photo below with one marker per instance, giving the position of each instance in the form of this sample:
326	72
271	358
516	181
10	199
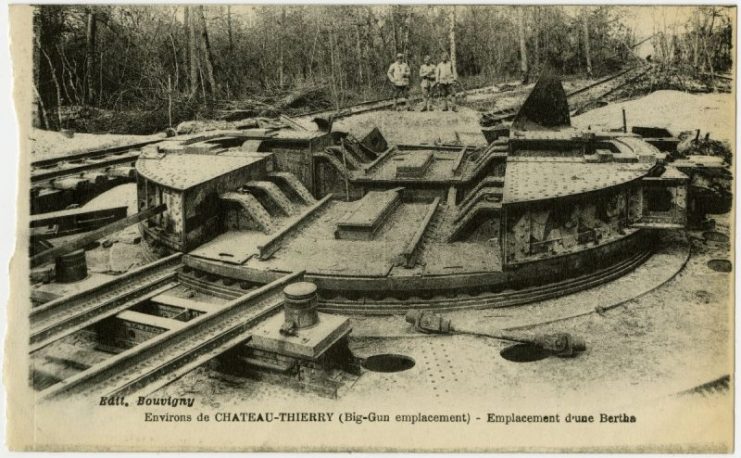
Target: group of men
441	77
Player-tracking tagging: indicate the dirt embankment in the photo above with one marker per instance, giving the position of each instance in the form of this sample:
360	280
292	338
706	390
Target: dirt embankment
46	144
675	110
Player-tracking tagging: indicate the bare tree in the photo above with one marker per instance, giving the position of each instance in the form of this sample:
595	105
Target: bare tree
192	51
525	70
281	46
88	90
206	55
587	51
451	38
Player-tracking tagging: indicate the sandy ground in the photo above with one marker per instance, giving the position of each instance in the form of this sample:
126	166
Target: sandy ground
124	194
674	337
415	127
674	110
47	144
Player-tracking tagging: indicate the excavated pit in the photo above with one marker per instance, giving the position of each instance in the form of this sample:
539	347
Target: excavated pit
388	363
524	353
720	265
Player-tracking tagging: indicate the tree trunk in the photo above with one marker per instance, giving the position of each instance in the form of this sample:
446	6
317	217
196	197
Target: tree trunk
407	24
39	113
58	87
229	27
281	45
536	41
451	37
524	69
395	33
89	91
206	52
359	57
192	51
587	52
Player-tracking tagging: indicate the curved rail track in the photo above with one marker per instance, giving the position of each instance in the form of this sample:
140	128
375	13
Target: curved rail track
387	303
46	169
165	357
475	298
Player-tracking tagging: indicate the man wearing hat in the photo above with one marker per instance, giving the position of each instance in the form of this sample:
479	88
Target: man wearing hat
445	77
427	75
398	74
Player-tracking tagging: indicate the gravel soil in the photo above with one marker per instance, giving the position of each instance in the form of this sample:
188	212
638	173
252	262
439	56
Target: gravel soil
46	144
674	334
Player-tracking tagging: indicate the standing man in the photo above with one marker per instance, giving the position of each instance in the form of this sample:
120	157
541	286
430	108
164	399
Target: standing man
445	77
427	75
398	74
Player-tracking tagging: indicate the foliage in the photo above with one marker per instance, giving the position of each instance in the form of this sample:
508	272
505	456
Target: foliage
259	51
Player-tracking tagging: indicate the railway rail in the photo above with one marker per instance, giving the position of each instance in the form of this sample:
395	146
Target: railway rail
46	169
581	96
67	315
42	171
476	298
162	359
171	354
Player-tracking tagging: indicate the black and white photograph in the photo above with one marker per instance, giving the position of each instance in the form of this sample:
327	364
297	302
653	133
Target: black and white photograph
373	228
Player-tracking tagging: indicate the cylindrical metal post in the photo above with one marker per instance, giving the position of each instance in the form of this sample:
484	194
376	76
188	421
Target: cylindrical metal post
71	267
300	306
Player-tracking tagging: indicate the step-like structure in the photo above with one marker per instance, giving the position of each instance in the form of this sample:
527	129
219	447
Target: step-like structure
275	194
488	182
253	207
485	197
476	209
296	185
492	152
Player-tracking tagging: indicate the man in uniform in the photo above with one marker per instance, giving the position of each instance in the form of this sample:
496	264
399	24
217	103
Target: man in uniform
427	75
398	74
445	77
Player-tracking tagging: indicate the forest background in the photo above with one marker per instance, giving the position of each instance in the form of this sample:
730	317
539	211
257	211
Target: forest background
140	69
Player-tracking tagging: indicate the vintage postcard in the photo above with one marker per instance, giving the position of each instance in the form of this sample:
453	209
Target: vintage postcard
389	227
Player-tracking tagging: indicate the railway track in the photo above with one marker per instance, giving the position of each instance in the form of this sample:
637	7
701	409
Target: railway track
577	97
74	164
385	303
476	298
43	171
380	104
164	358
67	315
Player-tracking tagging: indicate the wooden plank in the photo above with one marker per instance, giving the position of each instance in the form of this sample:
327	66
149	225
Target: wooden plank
77	220
150	320
185	303
48	255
